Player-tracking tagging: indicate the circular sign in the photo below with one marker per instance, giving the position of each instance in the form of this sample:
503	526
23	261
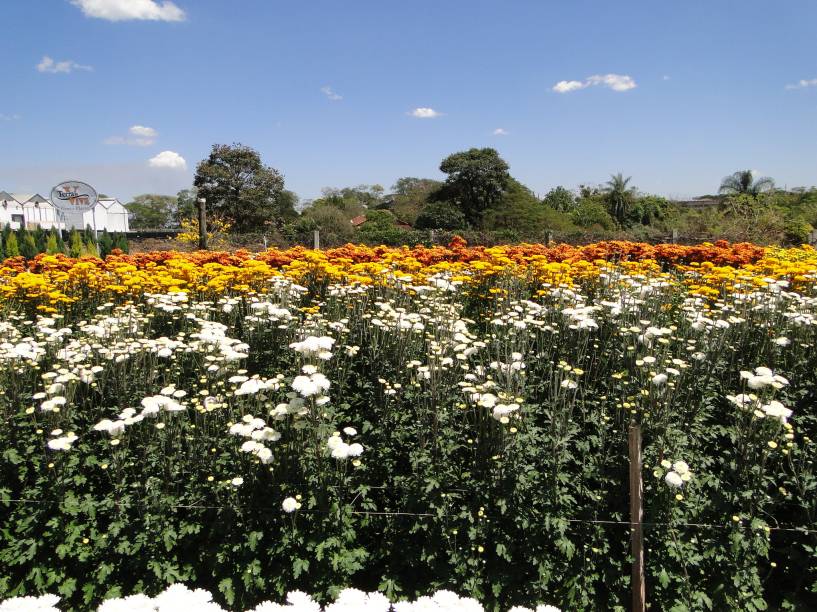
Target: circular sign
73	196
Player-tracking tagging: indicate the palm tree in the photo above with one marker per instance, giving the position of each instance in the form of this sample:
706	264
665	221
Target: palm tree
743	182
619	196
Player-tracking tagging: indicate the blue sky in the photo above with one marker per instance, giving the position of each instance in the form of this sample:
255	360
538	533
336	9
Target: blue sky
675	94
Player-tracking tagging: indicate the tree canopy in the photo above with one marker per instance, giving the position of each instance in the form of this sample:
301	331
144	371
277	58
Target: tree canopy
238	187
477	178
743	182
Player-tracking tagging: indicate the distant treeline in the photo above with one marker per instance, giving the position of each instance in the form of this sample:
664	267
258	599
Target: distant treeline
479	198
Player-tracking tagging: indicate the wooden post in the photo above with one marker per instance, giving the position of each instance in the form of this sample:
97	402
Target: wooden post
316	240
674	236
636	516
202	206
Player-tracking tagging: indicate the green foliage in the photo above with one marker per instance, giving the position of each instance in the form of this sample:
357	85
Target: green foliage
239	188
11	246
591	213
477	179
333	224
440	215
619	196
27	242
76	244
151	211
560	199
743	182
521	213
105	243
52	246
411	195
185	207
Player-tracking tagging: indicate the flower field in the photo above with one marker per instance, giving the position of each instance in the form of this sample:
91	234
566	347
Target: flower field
411	420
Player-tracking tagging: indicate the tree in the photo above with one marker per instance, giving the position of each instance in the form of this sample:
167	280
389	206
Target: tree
288	205
560	199
151	211
440	215
240	188
334	226
75	248
411	196
619	196
51	246
185	208
591	213
520	212
409	184
12	247
476	181
743	182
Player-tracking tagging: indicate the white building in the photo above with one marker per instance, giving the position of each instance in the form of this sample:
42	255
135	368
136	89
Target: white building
37	210
31	210
110	215
11	211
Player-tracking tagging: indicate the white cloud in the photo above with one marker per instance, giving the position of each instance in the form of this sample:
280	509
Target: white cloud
425	113
140	136
666	77
803	83
566	86
125	10
5	117
168	159
616	82
47	64
331	93
500	132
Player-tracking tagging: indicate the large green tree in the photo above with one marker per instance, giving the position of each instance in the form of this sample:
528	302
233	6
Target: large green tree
151	211
560	199
743	182
477	179
619	196
238	187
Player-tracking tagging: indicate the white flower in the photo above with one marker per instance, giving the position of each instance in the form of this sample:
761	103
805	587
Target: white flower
249	387
350	431
674	479
237	481
290	504
63	443
776	410
44	603
681	467
659	379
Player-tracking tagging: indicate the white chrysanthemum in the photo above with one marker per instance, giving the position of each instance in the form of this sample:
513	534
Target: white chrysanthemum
681	467
44	603
674	479
290	504
350	431
659	379
776	410
132	603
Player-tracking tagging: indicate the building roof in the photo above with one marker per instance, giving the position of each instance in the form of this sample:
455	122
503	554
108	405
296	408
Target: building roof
6	196
25	198
359	220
